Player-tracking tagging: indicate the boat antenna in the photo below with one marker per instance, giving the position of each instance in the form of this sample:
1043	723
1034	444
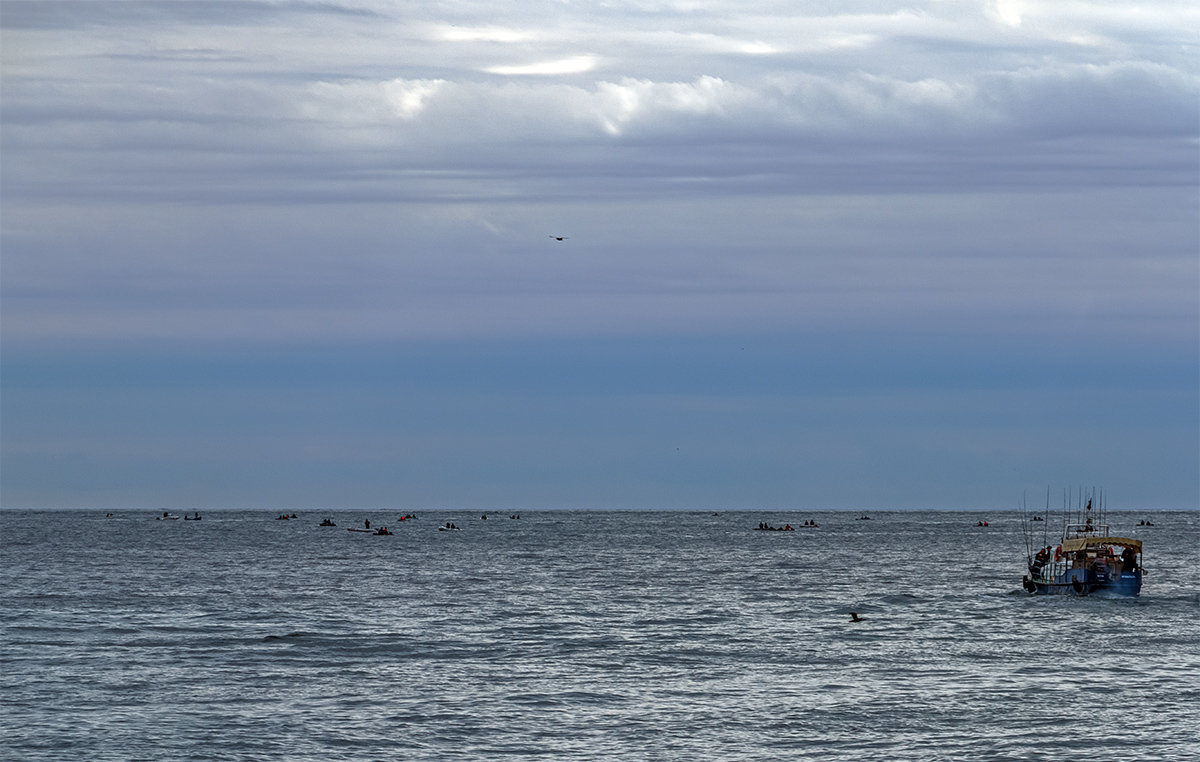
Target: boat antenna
1025	528
1066	512
1045	515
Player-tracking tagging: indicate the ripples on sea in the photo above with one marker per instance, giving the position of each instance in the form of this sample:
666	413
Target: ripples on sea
583	635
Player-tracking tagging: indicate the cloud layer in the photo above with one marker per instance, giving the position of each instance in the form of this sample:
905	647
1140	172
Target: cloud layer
264	174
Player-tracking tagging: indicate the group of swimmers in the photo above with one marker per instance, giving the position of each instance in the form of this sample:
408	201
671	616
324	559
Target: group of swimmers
384	530
786	527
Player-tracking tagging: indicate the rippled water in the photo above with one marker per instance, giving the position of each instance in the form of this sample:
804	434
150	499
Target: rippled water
584	635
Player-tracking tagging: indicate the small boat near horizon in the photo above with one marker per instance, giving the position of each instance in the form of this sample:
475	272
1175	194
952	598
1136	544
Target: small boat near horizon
1088	560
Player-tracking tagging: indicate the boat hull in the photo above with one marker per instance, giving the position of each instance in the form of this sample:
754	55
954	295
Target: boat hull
1087	582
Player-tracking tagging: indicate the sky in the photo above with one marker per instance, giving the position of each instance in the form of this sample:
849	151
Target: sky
855	255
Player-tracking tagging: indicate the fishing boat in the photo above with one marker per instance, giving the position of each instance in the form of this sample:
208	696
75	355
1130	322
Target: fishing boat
1088	560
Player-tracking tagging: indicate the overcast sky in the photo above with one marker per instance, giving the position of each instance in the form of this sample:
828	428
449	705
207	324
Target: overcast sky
818	255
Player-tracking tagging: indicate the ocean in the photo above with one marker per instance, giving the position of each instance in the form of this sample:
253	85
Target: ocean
584	635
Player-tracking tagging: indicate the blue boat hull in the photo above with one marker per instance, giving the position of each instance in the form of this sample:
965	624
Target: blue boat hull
1087	582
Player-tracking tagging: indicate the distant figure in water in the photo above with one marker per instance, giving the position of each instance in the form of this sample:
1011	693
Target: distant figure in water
855	617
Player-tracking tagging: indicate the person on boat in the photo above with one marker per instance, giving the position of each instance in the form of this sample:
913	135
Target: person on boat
1128	561
367	523
1035	568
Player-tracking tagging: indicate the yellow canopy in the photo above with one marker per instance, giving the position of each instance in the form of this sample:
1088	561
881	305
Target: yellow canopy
1080	543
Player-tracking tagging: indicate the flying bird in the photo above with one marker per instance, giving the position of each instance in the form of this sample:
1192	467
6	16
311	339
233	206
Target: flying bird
560	237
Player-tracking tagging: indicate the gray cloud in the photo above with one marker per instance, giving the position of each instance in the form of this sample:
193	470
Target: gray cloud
265	174
371	108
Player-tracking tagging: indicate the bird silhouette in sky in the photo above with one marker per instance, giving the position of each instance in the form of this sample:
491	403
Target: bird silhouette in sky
560	237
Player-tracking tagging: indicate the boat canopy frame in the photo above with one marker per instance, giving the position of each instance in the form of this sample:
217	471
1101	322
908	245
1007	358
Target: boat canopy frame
1083	543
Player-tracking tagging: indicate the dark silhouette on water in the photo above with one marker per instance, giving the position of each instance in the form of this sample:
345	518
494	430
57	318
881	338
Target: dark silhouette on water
855	617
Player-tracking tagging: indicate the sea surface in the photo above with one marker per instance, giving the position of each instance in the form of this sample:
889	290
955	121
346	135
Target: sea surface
576	635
